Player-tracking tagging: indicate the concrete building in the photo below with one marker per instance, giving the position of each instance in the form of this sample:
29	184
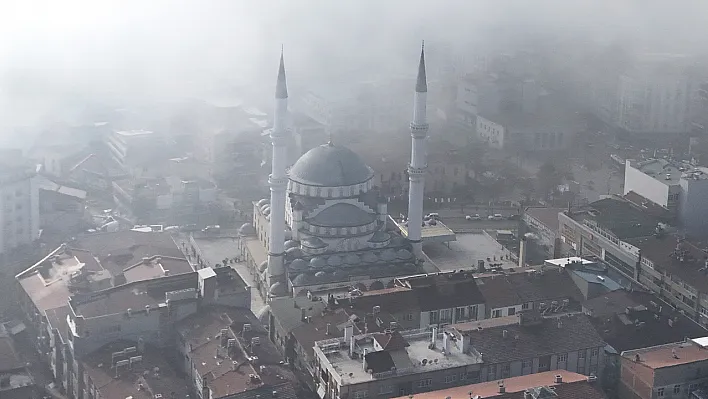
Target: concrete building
19	201
672	370
16	382
560	384
657	180
131	148
409	362
543	224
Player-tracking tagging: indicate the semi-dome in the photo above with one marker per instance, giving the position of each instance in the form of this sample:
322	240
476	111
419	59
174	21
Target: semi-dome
352	259
330	166
369	257
313	243
301	279
404	254
318	261
262	202
298	265
264	315
291	244
277	289
388	254
246	229
342	215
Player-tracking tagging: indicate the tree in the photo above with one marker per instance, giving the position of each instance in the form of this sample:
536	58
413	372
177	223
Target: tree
548	178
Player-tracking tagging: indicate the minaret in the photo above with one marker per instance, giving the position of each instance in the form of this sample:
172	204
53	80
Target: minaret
278	180
418	165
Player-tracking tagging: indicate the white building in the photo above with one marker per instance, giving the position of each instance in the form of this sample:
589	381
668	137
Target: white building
19	203
491	133
132	147
681	188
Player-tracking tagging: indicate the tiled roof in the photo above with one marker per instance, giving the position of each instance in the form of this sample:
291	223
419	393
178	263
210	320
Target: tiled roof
444	291
565	334
517	288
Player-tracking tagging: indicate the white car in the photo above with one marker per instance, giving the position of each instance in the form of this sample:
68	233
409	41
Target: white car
475	217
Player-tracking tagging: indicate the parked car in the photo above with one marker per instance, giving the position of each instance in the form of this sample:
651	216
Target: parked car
473	217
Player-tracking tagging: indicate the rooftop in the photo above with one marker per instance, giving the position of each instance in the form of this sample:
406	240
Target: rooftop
430	232
676	257
141	373
99	261
668	355
633	319
443	290
551	285
544	337
466	251
249	363
619	216
9	358
573	386
660	169
417	357
546	216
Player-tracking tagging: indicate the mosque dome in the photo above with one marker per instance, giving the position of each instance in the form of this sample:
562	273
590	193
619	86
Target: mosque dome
329	165
246	229
404	254
298	265
264	315
263	266
352	259
291	244
318	261
262	202
388	255
293	252
334	260
369	257
301	279
277	289
313	243
342	215
320	274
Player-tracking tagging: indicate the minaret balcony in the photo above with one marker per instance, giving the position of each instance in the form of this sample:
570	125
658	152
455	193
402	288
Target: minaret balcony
277	182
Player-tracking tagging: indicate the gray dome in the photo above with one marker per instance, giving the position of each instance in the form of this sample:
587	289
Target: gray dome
334	260
330	166
404	254
318	261
293	253
313	242
388	255
291	244
399	241
264	315
263	266
277	289
246	229
301	279
370	257
266	210
380	237
352	259
262	202
298	265
320	274
342	215
264	207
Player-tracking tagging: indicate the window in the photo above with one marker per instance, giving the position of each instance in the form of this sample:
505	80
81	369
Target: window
360	394
425	383
409	316
563	357
449	379
526	306
677	388
581	354
506	370
593	369
526	364
384	389
492	372
594	352
463	376
496	313
511	311
660	392
433	317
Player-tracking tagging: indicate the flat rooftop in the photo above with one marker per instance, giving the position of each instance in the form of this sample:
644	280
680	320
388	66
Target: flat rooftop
467	250
144	373
437	232
669	355
407	360
546	216
563	262
660	169
676	257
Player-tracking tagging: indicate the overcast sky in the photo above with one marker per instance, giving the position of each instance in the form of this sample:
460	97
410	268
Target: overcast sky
50	49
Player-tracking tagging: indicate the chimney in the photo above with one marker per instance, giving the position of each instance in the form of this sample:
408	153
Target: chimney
433	337
502	388
302	315
329	327
363	359
352	343
505	333
376	310
147	309
348	332
560	324
559	379
446	343
522	252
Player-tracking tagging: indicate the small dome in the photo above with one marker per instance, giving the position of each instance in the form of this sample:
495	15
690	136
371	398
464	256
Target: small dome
264	207
380	237
313	243
277	289
264	315
266	211
301	279
246	229
370	257
334	260
263	266
410	267
298	265
388	255
352	259
404	254
338	275
399	241
293	253
320	274
291	244
262	202
318	261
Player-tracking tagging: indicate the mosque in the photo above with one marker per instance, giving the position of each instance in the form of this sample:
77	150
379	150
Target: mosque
326	226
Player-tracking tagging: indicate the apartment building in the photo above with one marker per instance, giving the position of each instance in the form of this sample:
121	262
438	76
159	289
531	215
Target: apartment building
410	362
543	223
546	385
19	202
674	370
132	148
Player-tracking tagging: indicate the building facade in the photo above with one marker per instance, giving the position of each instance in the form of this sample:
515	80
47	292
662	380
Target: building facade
19	202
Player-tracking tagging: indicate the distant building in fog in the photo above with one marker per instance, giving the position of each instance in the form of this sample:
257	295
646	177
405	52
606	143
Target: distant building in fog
19	202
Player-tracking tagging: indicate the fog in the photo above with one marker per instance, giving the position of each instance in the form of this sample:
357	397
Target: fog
56	53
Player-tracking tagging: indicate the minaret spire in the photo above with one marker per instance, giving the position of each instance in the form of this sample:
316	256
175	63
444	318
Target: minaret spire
278	179
419	164
281	88
421	85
